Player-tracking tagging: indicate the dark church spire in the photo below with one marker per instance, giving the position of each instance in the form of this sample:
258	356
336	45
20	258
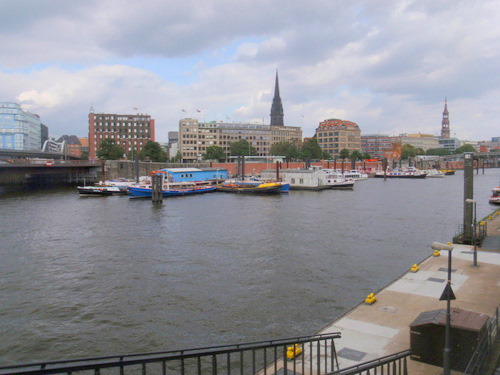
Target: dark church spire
445	124
277	108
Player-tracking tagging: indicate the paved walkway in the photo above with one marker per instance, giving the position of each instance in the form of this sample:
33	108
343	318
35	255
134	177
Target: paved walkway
383	328
492	240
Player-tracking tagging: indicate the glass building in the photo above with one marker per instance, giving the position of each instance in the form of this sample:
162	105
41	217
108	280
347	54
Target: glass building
19	129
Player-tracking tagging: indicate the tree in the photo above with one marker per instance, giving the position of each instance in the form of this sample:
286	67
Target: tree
311	149
356	155
84	155
153	151
408	151
109	150
465	148
438	151
366	155
214	153
344	153
287	149
242	148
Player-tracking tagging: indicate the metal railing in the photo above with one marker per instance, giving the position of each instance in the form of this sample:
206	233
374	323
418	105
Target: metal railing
479	360
317	354
394	364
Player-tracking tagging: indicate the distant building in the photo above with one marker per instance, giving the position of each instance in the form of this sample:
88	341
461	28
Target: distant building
131	132
195	137
445	123
73	145
334	135
376	145
451	144
173	144
487	146
19	129
277	114
85	145
423	141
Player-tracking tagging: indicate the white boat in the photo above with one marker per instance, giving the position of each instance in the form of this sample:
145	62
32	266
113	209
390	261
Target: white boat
411	172
356	175
338	181
433	173
495	196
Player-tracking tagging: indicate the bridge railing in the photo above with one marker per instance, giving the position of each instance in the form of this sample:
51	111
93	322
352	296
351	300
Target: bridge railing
263	357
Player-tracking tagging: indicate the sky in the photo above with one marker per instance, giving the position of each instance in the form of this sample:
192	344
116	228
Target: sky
387	65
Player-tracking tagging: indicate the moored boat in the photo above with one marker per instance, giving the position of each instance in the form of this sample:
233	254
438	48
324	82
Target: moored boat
448	172
170	189
98	191
244	187
495	196
356	175
411	172
338	181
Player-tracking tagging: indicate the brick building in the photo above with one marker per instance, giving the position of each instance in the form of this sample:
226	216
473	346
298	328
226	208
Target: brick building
333	135
131	132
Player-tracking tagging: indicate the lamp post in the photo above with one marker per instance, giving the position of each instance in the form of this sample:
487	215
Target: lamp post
448	294
474	228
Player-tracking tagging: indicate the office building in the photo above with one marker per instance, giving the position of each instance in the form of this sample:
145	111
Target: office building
131	132
19	129
376	145
334	135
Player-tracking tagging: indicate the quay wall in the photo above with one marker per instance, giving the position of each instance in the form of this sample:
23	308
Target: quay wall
126	168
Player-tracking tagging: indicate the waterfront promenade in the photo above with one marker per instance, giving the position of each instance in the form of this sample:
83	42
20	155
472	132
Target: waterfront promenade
383	328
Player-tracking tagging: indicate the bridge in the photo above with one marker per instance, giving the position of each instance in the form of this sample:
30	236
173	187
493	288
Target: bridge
44	172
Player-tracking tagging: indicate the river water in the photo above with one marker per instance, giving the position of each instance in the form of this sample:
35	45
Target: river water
82	277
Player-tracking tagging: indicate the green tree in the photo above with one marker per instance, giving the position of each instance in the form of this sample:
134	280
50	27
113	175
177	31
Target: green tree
408	151
344	153
356	155
84	155
464	148
287	149
214	153
311	149
153	151
366	155
109	150
242	148
438	151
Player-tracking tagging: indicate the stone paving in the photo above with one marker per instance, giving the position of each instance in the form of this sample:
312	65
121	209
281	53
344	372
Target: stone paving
383	328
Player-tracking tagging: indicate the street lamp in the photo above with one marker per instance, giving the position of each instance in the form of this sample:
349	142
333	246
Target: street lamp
474	234
448	295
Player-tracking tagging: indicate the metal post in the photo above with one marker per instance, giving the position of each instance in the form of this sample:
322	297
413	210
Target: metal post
475	234
468	194
447	350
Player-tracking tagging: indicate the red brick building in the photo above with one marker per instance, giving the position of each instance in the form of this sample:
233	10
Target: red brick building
131	132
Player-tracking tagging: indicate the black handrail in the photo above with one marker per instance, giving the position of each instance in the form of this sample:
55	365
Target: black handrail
397	363
214	360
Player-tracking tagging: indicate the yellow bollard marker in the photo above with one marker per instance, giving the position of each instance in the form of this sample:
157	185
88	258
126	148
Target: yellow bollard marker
370	299
436	253
414	268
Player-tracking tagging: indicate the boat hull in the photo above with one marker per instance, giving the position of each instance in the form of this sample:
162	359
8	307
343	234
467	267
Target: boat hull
95	191
250	190
141	192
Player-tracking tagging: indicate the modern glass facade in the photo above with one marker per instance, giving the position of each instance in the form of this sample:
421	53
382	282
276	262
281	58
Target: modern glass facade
19	129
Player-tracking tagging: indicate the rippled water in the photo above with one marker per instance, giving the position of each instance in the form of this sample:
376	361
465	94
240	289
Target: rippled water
83	277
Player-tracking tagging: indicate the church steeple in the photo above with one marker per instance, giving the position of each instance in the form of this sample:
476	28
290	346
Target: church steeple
277	107
445	124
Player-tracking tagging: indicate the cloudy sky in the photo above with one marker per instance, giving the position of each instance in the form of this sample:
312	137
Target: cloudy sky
385	64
